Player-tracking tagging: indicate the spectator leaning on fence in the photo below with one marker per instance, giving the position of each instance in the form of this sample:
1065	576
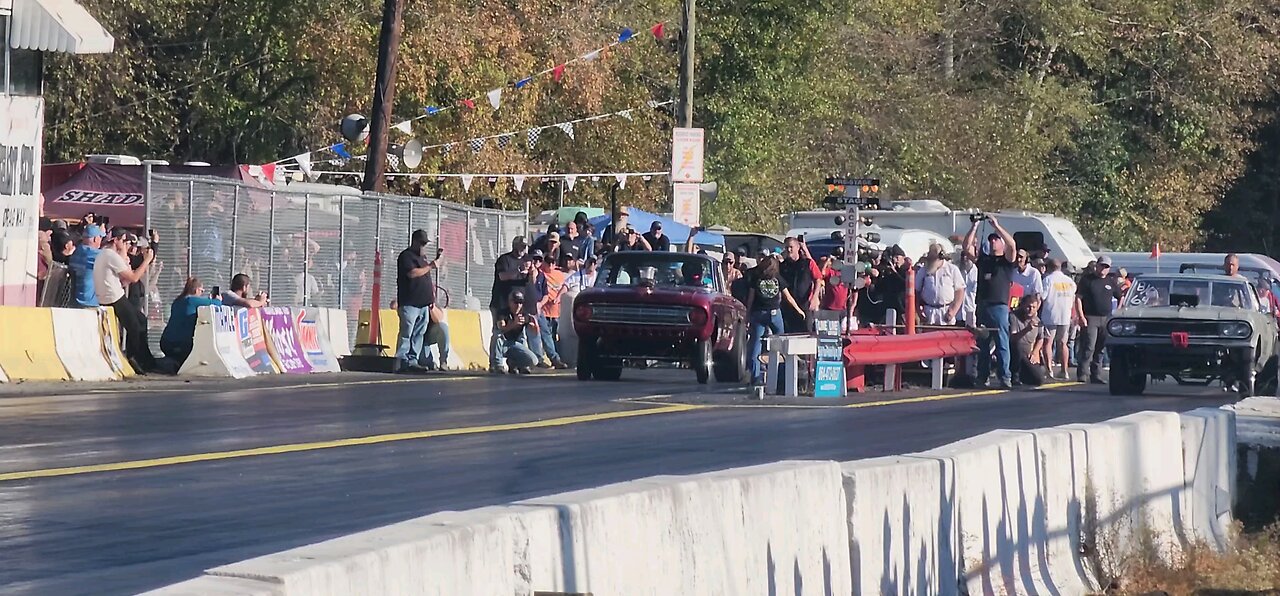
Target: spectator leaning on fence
241	288
82	265
179	333
111	273
415	295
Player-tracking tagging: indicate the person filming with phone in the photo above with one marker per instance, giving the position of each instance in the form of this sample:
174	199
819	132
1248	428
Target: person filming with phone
996	265
509	342
415	295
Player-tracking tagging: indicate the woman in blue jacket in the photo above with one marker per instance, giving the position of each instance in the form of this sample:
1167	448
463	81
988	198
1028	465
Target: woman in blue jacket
179	333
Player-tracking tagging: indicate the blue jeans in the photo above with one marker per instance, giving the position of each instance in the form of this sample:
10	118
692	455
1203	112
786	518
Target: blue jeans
761	321
514	351
548	327
413	328
995	317
437	335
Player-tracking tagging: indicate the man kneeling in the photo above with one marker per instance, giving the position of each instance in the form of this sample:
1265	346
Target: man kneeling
1026	335
509	342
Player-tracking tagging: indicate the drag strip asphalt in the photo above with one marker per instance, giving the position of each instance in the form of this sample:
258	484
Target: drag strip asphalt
266	469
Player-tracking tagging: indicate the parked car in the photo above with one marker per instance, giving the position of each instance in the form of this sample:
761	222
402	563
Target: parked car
1194	328
660	306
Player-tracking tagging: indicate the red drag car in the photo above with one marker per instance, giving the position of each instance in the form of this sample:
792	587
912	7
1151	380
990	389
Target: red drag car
660	306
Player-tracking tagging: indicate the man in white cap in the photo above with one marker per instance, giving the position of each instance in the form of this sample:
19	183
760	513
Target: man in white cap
940	287
111	275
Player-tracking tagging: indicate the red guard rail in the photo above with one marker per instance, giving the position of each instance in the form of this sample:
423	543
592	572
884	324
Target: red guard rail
865	349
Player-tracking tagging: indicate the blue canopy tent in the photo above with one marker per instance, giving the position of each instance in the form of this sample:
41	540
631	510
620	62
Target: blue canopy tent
641	220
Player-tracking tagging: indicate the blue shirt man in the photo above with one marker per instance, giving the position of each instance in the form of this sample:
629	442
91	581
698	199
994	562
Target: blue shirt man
82	266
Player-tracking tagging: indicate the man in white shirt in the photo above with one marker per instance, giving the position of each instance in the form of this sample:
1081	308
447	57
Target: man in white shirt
1057	314
940	288
1027	276
111	275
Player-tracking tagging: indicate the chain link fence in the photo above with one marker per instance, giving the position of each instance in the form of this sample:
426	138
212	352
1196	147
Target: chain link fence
314	245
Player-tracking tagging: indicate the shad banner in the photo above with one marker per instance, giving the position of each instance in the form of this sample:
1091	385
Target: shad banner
21	124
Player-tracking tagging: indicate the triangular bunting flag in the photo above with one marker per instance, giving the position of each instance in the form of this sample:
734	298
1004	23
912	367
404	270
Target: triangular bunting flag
622	180
466	182
595	178
445	149
431	110
495	98
476	144
393	161
647	177
653	104
557	73
405	127
471	104
569	181
505	139
522	83
534	133
269	172
567	127
341	150
591	57
304	163
658	31
626	35
626	114
1155	251
519	182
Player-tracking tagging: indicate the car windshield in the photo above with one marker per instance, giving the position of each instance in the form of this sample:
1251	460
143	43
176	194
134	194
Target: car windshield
661	269
1151	291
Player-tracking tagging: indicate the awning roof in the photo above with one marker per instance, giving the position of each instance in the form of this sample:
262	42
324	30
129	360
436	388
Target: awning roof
57	26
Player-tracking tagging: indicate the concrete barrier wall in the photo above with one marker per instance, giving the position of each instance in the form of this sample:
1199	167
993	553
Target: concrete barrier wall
79	345
27	351
1009	512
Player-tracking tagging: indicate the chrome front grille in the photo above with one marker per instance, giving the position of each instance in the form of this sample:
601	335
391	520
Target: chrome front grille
640	314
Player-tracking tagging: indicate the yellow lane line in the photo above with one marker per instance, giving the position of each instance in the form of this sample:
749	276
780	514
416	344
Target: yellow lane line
338	443
870	404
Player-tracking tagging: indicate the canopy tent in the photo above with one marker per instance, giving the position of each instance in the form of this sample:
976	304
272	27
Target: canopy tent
116	191
641	220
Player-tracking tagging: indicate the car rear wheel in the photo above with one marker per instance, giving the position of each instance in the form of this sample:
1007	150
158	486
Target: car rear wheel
1124	380
701	361
731	366
1247	383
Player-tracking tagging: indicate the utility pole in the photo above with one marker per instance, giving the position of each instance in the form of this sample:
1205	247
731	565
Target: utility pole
383	94
685	114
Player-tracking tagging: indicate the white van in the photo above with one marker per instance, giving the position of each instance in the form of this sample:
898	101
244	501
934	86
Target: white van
1032	231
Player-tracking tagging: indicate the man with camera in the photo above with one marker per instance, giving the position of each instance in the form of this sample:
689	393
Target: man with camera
111	274
511	326
511	272
996	266
415	295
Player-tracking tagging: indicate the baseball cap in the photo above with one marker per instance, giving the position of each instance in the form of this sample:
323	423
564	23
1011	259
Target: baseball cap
895	251
517	296
657	225
553	237
94	231
122	234
1104	261
519	242
536	255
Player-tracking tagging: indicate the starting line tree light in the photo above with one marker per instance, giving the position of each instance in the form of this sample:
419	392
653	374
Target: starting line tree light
849	193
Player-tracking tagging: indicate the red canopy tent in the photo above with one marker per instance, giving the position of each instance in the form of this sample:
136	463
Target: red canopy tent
116	191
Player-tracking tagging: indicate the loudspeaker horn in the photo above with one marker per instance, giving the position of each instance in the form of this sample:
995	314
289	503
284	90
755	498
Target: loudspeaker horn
709	191
410	153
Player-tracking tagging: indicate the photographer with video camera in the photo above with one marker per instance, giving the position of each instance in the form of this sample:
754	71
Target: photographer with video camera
996	265
111	274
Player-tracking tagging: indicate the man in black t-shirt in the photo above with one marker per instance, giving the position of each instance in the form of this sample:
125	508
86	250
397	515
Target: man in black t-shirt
415	293
511	272
800	273
995	275
657	240
1094	294
510	327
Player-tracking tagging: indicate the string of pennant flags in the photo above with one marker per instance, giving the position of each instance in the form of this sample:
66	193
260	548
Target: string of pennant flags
518	180
529	136
493	96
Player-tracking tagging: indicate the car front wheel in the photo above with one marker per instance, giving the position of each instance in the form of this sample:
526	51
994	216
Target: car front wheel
1124	379
701	360
731	366
586	357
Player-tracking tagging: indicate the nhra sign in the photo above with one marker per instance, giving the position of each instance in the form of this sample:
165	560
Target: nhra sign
314	341
253	344
282	340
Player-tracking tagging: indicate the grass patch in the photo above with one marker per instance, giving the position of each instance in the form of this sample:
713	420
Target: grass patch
1251	567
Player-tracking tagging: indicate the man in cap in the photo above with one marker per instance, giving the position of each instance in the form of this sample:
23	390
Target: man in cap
657	240
510	328
415	295
111	275
995	277
940	289
82	263
511	272
578	238
1094	304
1027	275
